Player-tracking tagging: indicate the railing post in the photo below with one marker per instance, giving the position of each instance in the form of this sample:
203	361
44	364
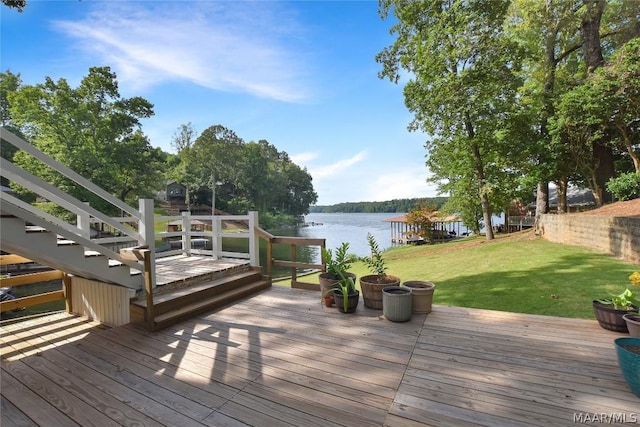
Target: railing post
186	233
147	235
294	258
254	243
216	237
83	220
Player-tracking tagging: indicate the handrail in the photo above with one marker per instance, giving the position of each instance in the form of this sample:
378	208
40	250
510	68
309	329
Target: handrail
52	193
80	232
293	264
77	178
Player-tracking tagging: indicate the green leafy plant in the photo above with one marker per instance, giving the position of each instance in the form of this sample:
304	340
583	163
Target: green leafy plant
346	286
337	266
627	299
375	262
626	186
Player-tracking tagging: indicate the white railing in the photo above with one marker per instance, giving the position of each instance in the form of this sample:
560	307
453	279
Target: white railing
80	232
203	235
134	228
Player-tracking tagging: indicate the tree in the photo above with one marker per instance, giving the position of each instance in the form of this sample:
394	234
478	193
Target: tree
562	39
604	109
15	4
182	141
9	83
90	129
420	220
462	83
216	155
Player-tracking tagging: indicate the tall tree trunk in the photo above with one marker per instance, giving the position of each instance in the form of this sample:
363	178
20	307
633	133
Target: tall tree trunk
548	87
484	197
561	194
542	203
592	48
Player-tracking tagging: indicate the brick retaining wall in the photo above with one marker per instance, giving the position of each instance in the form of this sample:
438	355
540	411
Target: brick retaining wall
617	236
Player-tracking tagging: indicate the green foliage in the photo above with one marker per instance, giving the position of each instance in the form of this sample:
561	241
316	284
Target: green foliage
345	286
627	299
92	130
389	206
249	175
626	186
463	87
420	220
375	262
337	266
19	5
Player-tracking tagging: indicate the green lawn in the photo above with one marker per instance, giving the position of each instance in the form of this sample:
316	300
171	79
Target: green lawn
518	273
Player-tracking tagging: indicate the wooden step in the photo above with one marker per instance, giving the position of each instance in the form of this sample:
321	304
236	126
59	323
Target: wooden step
176	305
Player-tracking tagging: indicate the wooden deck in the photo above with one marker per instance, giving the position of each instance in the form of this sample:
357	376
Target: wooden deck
179	270
280	358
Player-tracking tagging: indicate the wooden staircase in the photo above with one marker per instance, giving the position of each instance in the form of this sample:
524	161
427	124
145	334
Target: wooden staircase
169	305
48	248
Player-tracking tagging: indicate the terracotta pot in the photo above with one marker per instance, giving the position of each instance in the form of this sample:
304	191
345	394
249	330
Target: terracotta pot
633	324
611	318
422	295
328	300
372	286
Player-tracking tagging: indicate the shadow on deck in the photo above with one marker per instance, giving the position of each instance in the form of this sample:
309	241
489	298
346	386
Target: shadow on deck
282	358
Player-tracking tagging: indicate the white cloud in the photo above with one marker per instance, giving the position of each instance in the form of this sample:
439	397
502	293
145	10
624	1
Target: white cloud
226	46
337	169
400	184
301	159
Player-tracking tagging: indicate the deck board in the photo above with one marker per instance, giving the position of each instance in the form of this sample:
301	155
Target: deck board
280	358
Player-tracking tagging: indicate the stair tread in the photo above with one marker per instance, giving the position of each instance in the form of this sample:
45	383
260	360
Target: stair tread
35	229
213	301
169	296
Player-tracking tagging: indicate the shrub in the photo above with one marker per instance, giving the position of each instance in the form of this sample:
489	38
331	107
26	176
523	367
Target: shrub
625	186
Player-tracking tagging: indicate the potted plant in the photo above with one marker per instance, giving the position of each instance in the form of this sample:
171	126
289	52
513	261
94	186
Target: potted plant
628	352
336	267
610	311
345	294
633	324
373	284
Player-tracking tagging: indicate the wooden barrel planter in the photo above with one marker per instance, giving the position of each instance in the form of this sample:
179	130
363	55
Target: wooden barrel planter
372	286
610	318
422	295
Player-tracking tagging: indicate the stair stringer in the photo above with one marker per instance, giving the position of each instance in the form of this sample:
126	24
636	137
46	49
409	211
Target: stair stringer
78	258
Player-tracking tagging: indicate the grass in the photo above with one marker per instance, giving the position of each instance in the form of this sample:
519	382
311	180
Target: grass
518	272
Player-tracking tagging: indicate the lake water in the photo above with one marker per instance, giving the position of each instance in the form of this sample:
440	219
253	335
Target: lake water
349	227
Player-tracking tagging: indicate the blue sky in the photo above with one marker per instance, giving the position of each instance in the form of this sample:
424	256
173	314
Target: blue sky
301	75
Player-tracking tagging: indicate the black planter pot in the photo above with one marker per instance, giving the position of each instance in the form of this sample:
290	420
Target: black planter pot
352	303
611	318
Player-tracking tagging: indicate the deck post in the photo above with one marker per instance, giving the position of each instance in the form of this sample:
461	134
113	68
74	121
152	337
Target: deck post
254	243
216	237
83	220
186	234
147	235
